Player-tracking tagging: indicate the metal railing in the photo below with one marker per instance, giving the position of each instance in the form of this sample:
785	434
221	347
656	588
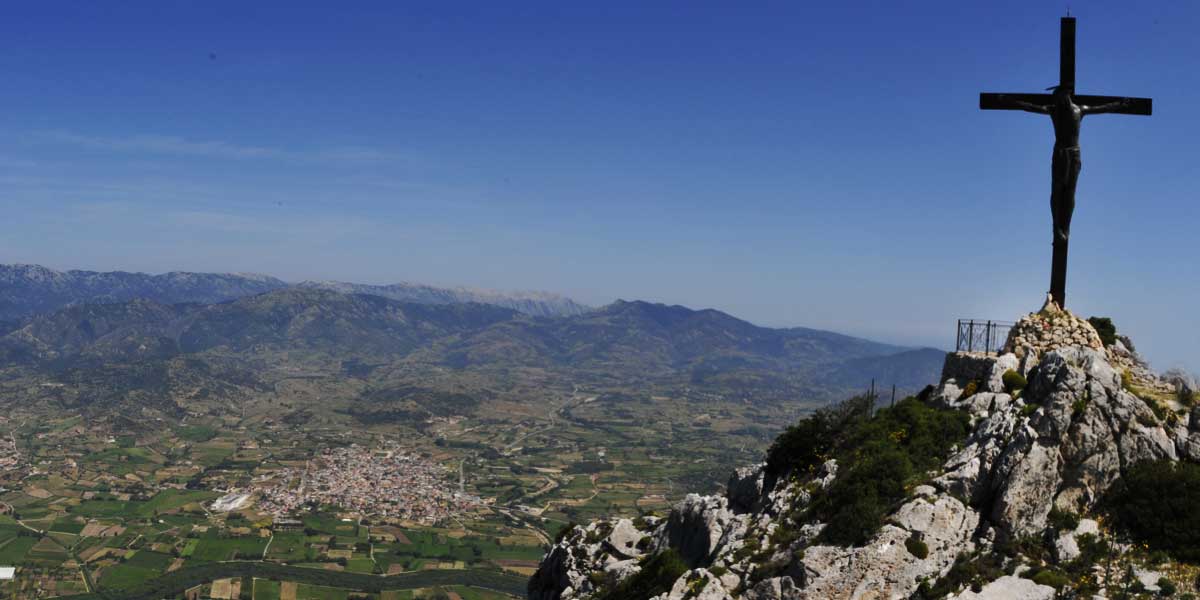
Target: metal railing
978	335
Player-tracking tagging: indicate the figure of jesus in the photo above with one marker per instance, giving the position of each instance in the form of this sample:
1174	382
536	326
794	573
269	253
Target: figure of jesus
1066	116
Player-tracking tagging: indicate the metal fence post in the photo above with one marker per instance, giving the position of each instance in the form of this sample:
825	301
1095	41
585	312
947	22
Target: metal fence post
992	337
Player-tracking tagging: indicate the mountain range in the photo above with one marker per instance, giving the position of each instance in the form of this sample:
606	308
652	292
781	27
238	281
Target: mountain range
636	339
251	326
29	289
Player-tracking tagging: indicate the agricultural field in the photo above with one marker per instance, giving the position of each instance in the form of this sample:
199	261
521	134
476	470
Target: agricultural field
106	501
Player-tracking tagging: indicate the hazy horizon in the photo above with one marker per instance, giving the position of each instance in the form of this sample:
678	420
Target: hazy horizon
757	162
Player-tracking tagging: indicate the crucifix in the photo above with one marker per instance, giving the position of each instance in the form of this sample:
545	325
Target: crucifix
1066	110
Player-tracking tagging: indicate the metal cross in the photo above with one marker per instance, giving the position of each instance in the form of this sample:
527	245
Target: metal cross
1066	110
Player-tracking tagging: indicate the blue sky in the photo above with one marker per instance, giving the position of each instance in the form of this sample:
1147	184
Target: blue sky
819	164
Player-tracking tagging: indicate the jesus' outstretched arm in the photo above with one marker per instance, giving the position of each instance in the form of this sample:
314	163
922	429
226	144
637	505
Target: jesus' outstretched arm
1023	105
1118	105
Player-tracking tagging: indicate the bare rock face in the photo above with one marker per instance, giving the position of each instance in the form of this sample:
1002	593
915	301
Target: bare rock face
1074	432
745	489
1061	441
1066	547
1008	588
699	527
697	584
986	372
607	549
885	568
775	588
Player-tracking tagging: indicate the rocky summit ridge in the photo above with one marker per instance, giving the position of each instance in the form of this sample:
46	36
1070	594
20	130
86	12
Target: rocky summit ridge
1050	432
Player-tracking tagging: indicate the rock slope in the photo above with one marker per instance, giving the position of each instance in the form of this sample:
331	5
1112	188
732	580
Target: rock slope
1059	442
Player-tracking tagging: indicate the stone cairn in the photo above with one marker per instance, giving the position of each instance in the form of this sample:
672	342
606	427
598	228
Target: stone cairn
1050	328
1054	327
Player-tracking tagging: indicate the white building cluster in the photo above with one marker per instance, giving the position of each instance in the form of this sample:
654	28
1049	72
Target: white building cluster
388	483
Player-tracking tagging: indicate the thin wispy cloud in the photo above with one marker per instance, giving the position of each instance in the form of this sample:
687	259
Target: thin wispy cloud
163	144
312	227
168	145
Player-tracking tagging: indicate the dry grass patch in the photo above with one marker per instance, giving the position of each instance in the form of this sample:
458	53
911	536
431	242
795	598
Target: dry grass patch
222	589
287	590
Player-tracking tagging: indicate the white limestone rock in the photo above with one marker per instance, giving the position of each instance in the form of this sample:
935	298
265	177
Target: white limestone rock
699	526
1066	547
623	540
697	584
885	568
1010	587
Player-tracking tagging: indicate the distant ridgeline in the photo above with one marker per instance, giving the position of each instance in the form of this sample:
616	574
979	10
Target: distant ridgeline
626	341
29	289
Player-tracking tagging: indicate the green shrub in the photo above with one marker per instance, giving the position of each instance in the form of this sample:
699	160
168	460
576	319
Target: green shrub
809	443
1050	577
658	574
1166	587
600	532
697	585
1063	520
1154	503
1092	549
880	457
1127	380
1104	326
1185	395
564	532
1013	381
855	505
1078	407
916	547
1159	412
969	570
1029	409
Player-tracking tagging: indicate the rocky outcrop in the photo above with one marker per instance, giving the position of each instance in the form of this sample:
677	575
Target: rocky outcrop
586	555
1126	360
1059	442
699	527
745	489
886	568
